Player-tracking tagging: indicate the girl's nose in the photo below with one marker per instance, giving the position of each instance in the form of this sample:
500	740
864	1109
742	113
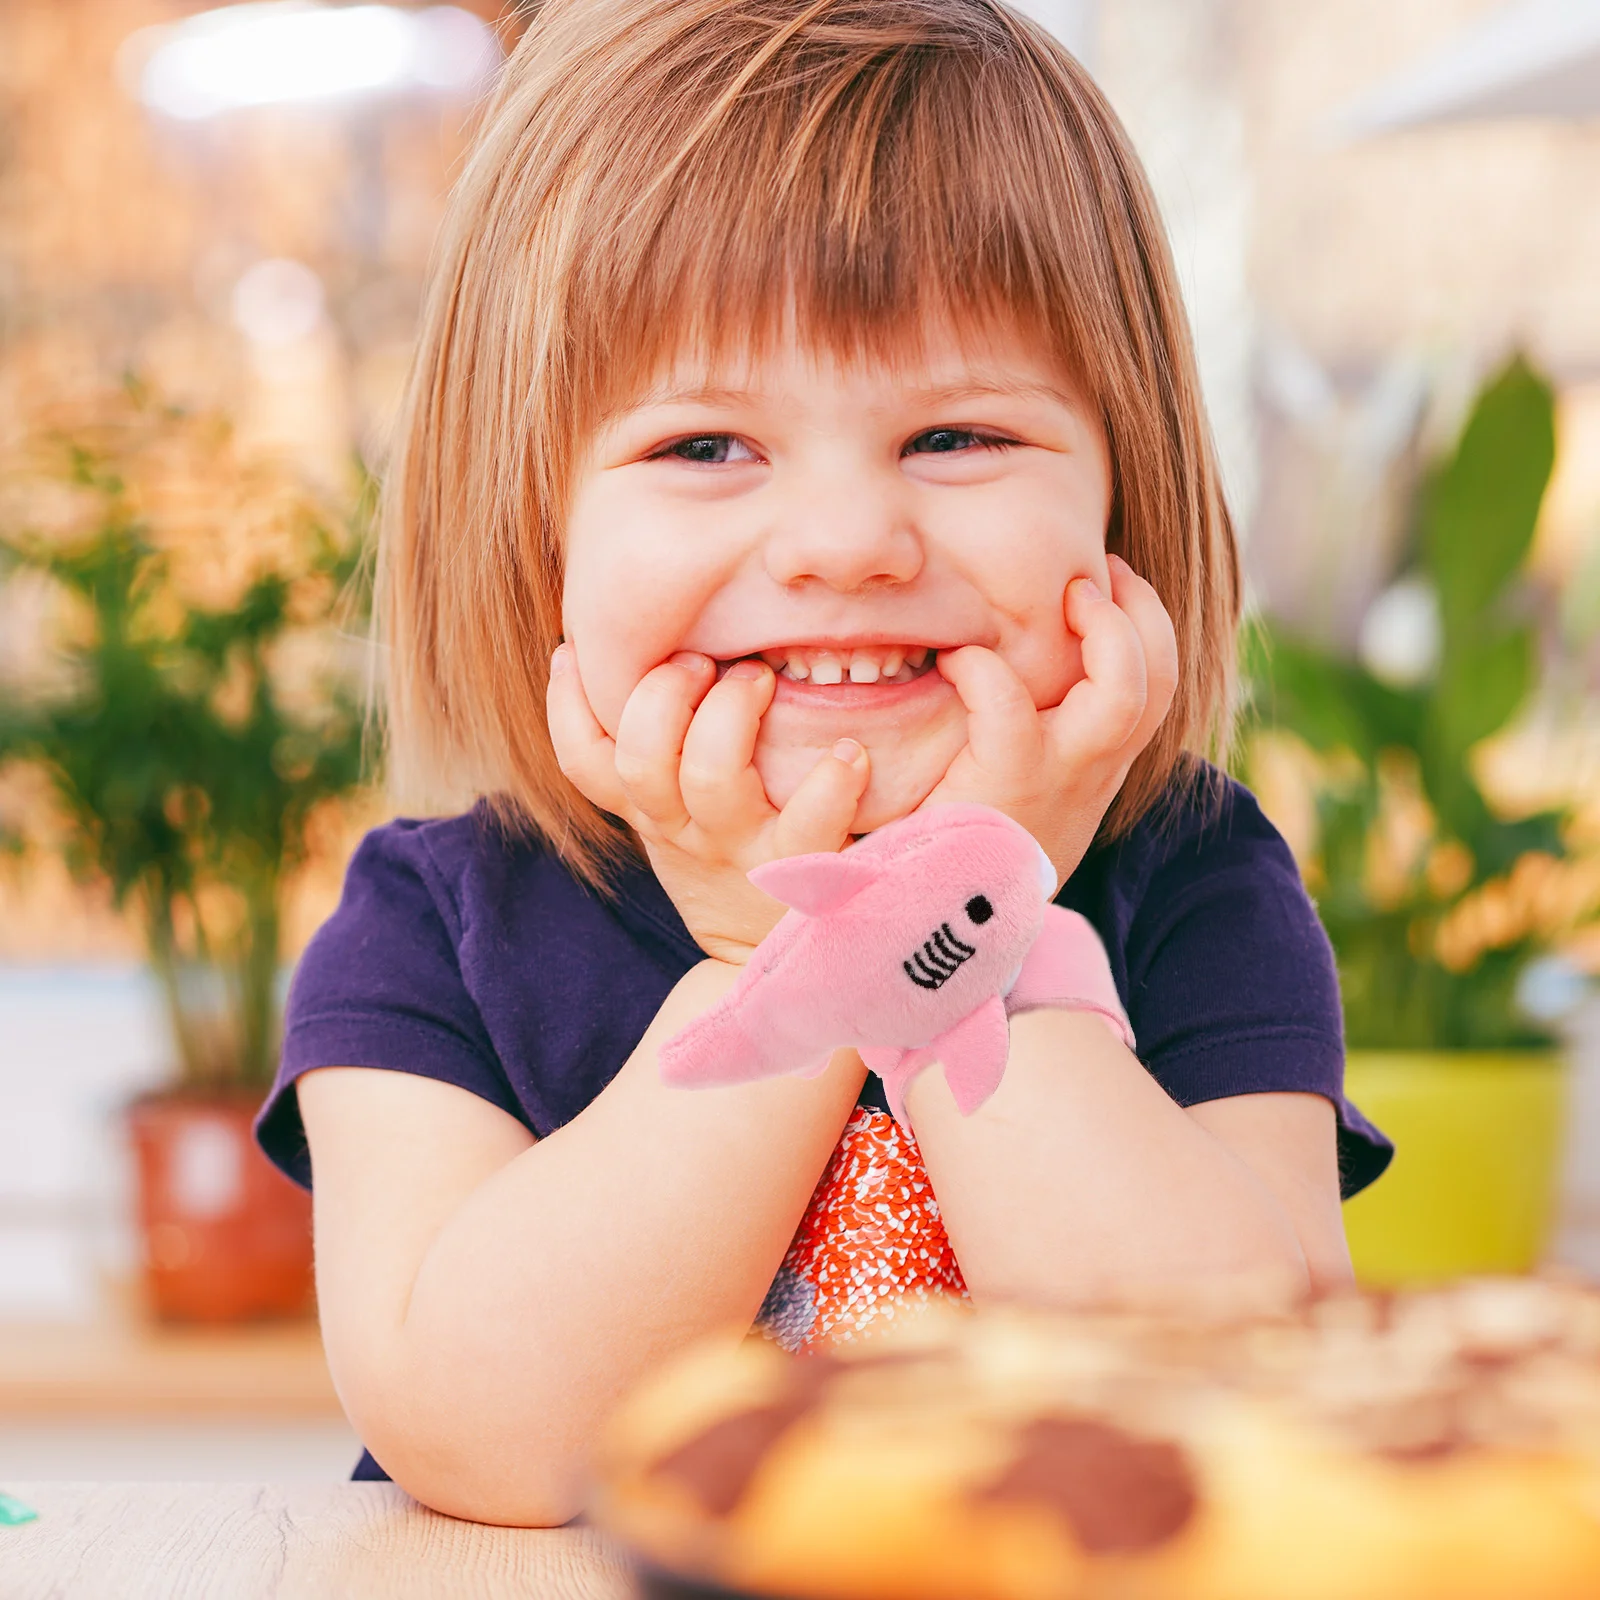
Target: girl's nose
847	536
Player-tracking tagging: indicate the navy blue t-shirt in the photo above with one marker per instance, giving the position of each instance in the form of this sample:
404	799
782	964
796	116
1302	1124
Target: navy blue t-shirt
468	954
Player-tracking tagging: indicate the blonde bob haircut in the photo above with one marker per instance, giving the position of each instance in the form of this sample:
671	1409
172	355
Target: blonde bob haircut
656	175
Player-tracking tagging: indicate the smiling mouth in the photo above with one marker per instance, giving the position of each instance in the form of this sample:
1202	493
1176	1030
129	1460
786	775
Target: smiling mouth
826	666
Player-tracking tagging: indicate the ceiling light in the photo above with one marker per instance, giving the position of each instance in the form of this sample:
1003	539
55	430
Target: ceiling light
279	52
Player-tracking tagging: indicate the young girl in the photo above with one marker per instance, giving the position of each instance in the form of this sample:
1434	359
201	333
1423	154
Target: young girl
804	431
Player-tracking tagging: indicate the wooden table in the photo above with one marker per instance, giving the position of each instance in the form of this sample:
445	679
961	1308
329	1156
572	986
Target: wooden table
164	1541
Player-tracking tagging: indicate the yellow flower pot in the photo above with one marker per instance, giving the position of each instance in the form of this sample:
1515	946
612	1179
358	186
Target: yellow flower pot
1478	1139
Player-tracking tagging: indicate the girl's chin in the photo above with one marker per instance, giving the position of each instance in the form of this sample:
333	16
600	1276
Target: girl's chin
900	780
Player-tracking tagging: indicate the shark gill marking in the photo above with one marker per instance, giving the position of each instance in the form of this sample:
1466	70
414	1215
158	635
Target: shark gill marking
937	961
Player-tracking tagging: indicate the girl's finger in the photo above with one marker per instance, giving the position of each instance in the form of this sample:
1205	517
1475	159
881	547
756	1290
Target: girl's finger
721	790
1138	599
1103	709
584	750
820	812
1004	733
650	735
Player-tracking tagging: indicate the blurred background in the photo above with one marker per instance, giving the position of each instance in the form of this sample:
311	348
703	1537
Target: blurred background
217	223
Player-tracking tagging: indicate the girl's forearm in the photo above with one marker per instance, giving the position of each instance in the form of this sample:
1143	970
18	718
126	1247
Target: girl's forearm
655	1216
1081	1181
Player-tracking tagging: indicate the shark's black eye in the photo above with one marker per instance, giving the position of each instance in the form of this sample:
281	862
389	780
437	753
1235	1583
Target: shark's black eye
979	909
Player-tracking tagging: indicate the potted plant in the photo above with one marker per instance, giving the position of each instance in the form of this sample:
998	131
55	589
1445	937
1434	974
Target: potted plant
191	721
1443	912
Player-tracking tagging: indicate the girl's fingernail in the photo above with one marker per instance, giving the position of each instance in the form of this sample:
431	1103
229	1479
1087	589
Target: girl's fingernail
748	669
1092	587
847	751
692	659
560	661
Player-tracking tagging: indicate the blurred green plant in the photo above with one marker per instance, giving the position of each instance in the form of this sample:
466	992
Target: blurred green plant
184	764
1435	904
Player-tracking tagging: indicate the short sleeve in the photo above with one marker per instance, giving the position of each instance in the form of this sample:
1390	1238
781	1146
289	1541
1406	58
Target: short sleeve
381	986
1233	986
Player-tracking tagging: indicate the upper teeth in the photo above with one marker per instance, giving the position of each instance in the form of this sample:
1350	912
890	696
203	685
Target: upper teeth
868	664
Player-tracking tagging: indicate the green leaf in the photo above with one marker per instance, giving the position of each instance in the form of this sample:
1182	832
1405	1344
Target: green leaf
1479	691
1481	506
1329	703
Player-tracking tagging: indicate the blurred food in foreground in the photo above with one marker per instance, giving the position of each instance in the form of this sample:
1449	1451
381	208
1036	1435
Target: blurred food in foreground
1436	1446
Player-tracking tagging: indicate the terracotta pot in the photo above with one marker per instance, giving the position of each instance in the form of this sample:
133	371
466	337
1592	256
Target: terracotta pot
226	1236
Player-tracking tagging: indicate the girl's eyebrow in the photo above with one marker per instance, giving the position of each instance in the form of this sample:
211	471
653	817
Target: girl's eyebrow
692	394
989	388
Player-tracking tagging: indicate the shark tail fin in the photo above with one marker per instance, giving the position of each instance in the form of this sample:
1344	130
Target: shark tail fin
718	1048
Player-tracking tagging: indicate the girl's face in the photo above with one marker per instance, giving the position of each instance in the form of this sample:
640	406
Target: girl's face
846	522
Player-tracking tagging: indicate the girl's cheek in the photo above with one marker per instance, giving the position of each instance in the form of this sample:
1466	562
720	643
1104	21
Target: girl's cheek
605	646
1043	651
1034	547
1053	663
606	689
612	662
619	637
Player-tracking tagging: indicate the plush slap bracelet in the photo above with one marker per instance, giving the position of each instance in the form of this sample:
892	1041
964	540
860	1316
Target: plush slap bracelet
914	945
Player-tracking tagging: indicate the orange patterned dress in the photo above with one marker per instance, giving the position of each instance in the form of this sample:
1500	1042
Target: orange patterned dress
871	1239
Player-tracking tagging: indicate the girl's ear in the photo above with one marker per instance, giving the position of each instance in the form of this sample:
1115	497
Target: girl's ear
814	884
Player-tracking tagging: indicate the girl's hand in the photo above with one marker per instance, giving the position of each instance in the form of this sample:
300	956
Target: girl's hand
679	774
1057	771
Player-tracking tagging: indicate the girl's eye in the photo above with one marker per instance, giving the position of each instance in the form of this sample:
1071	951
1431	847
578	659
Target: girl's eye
947	441
707	450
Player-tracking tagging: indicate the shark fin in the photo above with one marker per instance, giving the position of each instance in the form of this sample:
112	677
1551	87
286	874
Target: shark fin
815	884
974	1054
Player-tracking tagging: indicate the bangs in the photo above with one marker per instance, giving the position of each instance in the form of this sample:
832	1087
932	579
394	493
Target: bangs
849	181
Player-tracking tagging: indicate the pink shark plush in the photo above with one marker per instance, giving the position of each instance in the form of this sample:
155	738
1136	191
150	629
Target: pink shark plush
913	945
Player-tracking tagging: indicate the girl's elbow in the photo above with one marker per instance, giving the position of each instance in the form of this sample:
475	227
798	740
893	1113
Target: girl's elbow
521	1505
459	1460
532	1490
